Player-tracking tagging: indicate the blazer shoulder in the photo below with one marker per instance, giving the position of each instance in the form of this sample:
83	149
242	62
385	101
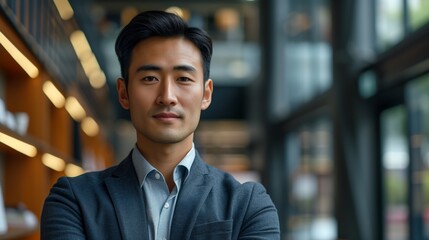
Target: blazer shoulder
227	180
94	179
93	176
221	176
123	168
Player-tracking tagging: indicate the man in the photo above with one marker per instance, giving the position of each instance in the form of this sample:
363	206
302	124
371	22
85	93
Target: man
163	189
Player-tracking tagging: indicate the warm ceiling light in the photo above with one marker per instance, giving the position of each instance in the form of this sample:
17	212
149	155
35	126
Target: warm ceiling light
181	12
175	10
74	108
73	170
227	19
80	44
90	64
53	162
90	126
23	61
97	79
64	9
18	145
53	94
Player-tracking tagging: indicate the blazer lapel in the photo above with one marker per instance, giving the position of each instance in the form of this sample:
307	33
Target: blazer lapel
128	200
190	200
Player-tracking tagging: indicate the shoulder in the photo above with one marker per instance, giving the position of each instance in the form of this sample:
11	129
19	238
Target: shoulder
227	182
92	177
123	168
82	184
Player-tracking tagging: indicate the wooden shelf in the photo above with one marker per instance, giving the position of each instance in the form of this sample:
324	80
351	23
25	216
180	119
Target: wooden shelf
26	180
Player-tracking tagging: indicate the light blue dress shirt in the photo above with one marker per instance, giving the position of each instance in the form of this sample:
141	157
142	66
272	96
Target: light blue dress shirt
160	202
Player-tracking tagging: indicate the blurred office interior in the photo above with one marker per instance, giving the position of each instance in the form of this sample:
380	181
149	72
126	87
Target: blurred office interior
325	102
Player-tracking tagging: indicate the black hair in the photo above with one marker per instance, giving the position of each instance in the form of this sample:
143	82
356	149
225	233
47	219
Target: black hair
160	24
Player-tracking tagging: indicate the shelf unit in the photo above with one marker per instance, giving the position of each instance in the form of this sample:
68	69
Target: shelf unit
51	130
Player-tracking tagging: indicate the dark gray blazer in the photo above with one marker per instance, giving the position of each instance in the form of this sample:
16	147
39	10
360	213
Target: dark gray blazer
110	205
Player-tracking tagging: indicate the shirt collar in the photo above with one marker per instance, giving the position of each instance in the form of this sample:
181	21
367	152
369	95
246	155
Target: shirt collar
143	167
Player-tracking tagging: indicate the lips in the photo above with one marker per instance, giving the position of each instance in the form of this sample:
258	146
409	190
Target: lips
166	115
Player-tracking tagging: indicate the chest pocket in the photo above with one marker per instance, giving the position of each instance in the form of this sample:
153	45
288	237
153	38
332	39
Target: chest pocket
213	231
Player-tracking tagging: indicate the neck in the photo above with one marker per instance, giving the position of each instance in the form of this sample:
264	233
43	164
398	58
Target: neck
164	157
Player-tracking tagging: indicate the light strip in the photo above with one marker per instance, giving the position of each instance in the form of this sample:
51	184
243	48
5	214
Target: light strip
89	62
64	9
80	44
74	108
73	170
90	126
54	94
18	145
53	162
23	61
97	79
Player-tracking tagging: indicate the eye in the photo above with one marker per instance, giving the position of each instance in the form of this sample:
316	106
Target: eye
184	79
149	79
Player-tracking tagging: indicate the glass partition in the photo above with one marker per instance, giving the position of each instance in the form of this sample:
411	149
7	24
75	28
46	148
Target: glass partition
389	23
419	13
310	188
417	96
395	162
307	56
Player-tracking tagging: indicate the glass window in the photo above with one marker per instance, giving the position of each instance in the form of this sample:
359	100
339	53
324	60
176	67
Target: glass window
418	12
307	56
310	213
395	161
417	97
389	22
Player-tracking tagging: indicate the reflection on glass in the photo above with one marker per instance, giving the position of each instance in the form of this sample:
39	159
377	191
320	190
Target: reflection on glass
306	69
418	98
311	188
395	164
389	25
418	12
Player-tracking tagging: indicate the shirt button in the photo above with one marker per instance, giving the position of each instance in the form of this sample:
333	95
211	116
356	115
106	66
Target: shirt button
157	176
166	205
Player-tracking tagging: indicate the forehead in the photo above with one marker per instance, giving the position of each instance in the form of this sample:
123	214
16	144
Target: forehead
166	51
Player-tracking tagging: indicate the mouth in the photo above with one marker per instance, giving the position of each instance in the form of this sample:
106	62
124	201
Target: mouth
166	116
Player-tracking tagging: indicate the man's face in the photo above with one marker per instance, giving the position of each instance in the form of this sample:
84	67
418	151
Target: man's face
166	90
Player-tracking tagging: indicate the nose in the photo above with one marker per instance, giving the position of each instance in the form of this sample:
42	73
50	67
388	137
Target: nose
166	94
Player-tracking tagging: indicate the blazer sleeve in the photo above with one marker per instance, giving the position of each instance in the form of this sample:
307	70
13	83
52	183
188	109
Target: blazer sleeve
61	215
261	219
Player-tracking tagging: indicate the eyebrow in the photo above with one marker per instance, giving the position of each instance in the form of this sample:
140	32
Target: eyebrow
149	67
185	68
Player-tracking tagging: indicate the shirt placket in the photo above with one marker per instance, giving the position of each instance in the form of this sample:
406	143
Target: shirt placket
165	217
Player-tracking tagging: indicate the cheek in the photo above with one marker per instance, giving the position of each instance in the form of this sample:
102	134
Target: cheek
193	100
139	100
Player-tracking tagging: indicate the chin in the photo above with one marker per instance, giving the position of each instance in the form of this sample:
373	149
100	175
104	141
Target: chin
169	138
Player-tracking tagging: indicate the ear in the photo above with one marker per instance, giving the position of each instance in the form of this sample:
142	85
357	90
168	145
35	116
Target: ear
122	93
207	97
